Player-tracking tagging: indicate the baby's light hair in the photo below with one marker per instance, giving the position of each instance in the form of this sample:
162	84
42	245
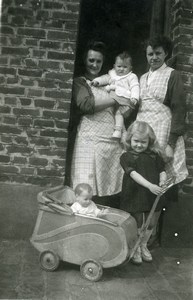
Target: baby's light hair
144	130
124	55
83	187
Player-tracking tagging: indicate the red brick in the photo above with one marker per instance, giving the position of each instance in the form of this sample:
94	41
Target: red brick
10	129
19	149
19	160
25	121
53	133
4	159
12	90
6	70
6	30
39	33
9	120
30	72
15	51
8	169
43	123
26	111
44	103
54	114
34	92
50	44
5	110
36	161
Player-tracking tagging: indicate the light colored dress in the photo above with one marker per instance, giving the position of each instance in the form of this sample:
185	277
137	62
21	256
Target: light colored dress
164	116
91	210
96	156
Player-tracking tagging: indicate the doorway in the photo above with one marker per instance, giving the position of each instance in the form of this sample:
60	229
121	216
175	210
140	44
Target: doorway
120	24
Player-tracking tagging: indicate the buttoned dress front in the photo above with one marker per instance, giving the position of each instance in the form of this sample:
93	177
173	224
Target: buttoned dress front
162	107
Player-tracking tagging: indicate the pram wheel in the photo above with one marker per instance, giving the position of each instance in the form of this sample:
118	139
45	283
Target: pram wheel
91	270
49	261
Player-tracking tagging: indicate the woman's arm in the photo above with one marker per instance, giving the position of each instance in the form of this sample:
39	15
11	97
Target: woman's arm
155	189
175	99
86	102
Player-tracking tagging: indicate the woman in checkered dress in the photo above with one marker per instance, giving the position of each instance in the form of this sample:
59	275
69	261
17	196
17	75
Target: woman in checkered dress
95	154
163	107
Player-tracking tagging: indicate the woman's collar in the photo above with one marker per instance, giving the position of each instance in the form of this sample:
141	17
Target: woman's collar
160	68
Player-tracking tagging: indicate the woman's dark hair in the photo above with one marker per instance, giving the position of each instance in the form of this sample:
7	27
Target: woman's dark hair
160	41
95	46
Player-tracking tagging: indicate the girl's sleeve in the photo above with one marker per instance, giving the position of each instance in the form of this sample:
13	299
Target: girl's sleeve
128	163
160	164
83	97
175	99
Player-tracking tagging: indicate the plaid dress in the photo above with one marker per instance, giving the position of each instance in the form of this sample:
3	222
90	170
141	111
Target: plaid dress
152	110
96	154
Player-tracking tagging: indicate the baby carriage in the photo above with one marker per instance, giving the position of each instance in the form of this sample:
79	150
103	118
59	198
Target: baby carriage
91	242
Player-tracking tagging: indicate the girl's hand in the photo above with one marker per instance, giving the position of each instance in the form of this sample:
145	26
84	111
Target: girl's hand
155	189
169	154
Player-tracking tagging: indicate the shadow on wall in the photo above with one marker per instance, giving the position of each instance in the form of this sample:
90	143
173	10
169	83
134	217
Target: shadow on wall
18	210
121	25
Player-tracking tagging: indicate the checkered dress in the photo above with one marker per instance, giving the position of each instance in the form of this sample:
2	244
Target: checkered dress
158	116
96	157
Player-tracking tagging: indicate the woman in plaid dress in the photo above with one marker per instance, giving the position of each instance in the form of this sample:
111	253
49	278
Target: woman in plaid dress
95	154
163	107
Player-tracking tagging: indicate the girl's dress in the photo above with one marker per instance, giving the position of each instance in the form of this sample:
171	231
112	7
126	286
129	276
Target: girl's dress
162	106
134	197
96	154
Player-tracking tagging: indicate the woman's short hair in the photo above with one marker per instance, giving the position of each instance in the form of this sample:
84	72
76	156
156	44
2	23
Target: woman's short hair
160	41
95	46
83	187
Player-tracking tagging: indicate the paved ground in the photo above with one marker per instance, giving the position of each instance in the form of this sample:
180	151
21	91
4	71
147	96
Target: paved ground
169	277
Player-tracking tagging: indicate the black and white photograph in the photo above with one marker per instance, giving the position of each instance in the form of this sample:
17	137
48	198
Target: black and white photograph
96	149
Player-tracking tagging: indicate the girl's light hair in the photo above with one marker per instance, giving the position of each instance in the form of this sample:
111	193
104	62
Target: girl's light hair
144	130
83	187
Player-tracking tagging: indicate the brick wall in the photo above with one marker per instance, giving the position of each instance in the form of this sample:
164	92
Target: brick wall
182	35
38	39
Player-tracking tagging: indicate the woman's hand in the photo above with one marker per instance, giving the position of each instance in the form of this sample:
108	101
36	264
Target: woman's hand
169	154
155	189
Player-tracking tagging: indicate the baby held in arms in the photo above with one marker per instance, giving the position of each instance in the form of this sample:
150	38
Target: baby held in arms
84	204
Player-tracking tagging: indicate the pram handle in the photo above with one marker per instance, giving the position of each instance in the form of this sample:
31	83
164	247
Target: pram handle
169	183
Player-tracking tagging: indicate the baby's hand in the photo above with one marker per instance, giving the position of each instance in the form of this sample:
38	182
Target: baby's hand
94	82
155	189
104	211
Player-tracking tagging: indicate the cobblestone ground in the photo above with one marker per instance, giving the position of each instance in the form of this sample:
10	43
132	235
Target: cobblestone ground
169	277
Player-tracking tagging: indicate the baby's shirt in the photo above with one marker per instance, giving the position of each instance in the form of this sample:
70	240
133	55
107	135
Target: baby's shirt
91	210
125	86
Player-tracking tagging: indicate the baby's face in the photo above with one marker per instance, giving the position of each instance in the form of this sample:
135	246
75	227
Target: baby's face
84	198
122	66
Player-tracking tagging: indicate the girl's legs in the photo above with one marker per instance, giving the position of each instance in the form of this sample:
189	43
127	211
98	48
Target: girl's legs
137	258
145	253
119	122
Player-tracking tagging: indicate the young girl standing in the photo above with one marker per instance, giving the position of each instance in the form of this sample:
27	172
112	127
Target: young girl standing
143	178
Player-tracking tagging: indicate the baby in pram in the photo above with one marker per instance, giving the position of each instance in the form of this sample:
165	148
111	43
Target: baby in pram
84	204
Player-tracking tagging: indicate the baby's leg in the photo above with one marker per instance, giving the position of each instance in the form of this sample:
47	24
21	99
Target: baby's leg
119	123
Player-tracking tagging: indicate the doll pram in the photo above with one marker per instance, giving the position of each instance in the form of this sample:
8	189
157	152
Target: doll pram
93	243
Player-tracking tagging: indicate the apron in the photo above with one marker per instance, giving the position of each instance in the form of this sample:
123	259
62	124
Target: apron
96	157
158	116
